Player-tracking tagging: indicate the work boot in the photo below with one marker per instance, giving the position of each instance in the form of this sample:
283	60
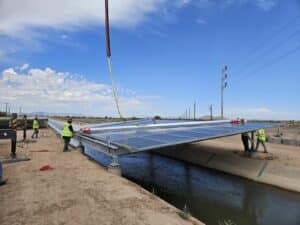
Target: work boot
13	155
3	181
265	151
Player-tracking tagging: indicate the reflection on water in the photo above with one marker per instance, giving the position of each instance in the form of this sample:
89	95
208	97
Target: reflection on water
210	196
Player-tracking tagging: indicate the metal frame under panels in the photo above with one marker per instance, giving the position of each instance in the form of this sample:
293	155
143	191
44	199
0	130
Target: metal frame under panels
104	147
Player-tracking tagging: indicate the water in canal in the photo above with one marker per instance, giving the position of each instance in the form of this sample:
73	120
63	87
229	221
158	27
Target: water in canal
210	196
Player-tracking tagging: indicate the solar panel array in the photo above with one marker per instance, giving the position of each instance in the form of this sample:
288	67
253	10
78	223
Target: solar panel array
144	138
151	138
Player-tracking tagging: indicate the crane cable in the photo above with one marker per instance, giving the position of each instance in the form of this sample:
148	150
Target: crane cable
114	89
108	55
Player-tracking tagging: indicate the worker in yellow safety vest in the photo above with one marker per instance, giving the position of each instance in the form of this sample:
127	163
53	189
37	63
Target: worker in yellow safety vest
35	127
261	139
67	133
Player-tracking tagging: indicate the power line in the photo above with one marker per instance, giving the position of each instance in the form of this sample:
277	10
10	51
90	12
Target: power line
6	107
272	48
267	40
279	58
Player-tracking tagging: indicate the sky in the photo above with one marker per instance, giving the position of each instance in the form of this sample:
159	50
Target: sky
166	55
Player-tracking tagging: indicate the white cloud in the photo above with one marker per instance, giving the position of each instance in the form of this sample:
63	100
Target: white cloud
64	36
16	16
181	3
224	4
23	23
265	4
51	91
204	3
24	67
260	113
201	21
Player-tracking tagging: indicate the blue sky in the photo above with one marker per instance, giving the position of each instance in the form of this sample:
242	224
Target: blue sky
165	54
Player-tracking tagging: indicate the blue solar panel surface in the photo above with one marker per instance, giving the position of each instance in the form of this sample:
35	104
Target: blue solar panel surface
141	138
152	138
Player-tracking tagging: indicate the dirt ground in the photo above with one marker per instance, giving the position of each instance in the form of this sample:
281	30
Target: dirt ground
291	131
75	191
285	154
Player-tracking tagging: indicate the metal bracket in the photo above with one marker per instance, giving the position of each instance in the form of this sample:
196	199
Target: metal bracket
114	161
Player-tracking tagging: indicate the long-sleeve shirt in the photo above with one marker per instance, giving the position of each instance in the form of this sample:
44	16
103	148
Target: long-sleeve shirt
71	128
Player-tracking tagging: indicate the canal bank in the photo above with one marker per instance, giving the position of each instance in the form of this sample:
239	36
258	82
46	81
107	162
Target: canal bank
211	196
279	168
67	188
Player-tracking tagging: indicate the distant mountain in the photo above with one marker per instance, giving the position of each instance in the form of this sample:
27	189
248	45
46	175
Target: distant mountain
44	114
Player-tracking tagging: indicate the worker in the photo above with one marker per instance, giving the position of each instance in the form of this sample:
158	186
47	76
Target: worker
2	180
24	127
67	133
13	126
245	140
35	127
261	139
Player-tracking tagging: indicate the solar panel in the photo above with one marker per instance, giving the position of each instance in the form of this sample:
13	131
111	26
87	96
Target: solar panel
207	131
146	140
139	143
183	133
141	135
120	135
166	138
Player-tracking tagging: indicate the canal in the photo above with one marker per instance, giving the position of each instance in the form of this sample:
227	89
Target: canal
212	197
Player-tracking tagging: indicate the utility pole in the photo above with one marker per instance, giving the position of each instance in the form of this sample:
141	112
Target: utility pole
211	112
20	110
6	107
194	110
223	86
189	113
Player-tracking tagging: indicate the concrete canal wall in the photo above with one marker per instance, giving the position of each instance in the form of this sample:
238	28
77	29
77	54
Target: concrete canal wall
280	167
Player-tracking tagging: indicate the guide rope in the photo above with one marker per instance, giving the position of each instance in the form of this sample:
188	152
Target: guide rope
108	55
114	89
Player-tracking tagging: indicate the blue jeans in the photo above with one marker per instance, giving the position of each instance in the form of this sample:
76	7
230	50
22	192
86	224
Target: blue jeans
263	144
35	133
67	142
